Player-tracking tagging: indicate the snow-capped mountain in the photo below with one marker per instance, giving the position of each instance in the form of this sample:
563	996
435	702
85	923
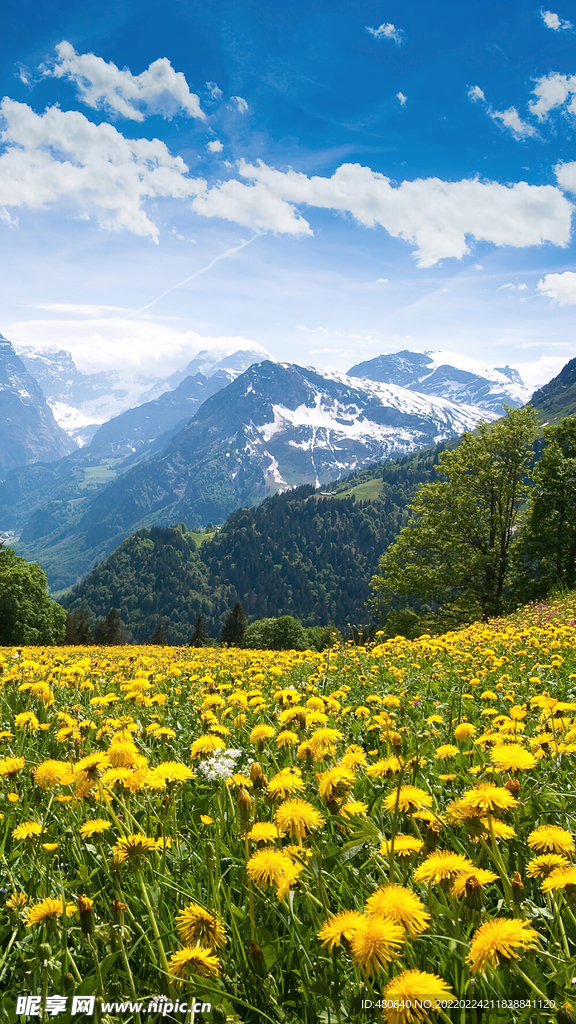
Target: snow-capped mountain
82	402
449	375
28	431
274	427
210	361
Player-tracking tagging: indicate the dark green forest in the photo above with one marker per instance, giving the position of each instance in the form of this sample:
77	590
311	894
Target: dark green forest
302	553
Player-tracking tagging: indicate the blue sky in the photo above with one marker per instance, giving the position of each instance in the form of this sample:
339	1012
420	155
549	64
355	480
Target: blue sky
330	180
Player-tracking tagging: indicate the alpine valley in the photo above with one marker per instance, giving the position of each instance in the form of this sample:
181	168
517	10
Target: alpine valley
222	434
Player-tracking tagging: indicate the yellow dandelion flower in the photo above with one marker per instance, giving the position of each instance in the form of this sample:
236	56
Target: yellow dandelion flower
134	848
464	731
446	751
173	771
511	757
498	941
267	867
335	783
27	720
9	766
551	838
297	817
263	832
12	798
352	808
401	905
500	830
206	745
261	733
323	742
27	830
94	827
442	866
404	846
412	995
473	876
197	926
194	960
286	738
408	800
478	801
561	878
47	911
285	783
206	819
384	768
52	773
545	864
375	942
354	757
17	901
339	927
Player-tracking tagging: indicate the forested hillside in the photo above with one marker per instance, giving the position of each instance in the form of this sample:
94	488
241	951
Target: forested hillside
300	553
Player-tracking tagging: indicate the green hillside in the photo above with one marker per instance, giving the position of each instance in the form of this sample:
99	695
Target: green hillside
557	399
304	553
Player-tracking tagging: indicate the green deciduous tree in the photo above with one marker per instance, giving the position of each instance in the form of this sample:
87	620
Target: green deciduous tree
455	551
548	551
28	615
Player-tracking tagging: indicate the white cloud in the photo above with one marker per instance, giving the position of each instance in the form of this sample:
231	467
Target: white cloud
552	20
381	280
214	91
506	286
61	156
566	175
540	371
215	146
520	287
126	344
476	95
241	104
560	287
553	90
5	217
401	98
478	266
435	215
158	90
386	31
254	206
511	119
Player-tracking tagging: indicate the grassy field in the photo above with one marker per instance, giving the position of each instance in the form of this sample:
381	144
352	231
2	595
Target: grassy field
381	834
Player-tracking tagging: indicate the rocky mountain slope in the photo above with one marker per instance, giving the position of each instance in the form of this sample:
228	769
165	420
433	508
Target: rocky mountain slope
448	375
28	431
274	427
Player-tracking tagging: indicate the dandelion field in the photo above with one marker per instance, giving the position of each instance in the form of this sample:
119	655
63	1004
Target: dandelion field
367	834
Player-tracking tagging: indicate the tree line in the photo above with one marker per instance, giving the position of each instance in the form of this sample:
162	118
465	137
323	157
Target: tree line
494	531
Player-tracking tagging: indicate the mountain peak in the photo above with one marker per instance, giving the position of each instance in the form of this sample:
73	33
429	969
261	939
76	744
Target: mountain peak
448	375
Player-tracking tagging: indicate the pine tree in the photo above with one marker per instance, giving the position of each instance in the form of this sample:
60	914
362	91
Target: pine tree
159	636
234	627
199	637
109	632
78	631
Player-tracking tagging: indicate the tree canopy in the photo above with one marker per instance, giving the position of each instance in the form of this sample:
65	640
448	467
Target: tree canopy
28	615
454	554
